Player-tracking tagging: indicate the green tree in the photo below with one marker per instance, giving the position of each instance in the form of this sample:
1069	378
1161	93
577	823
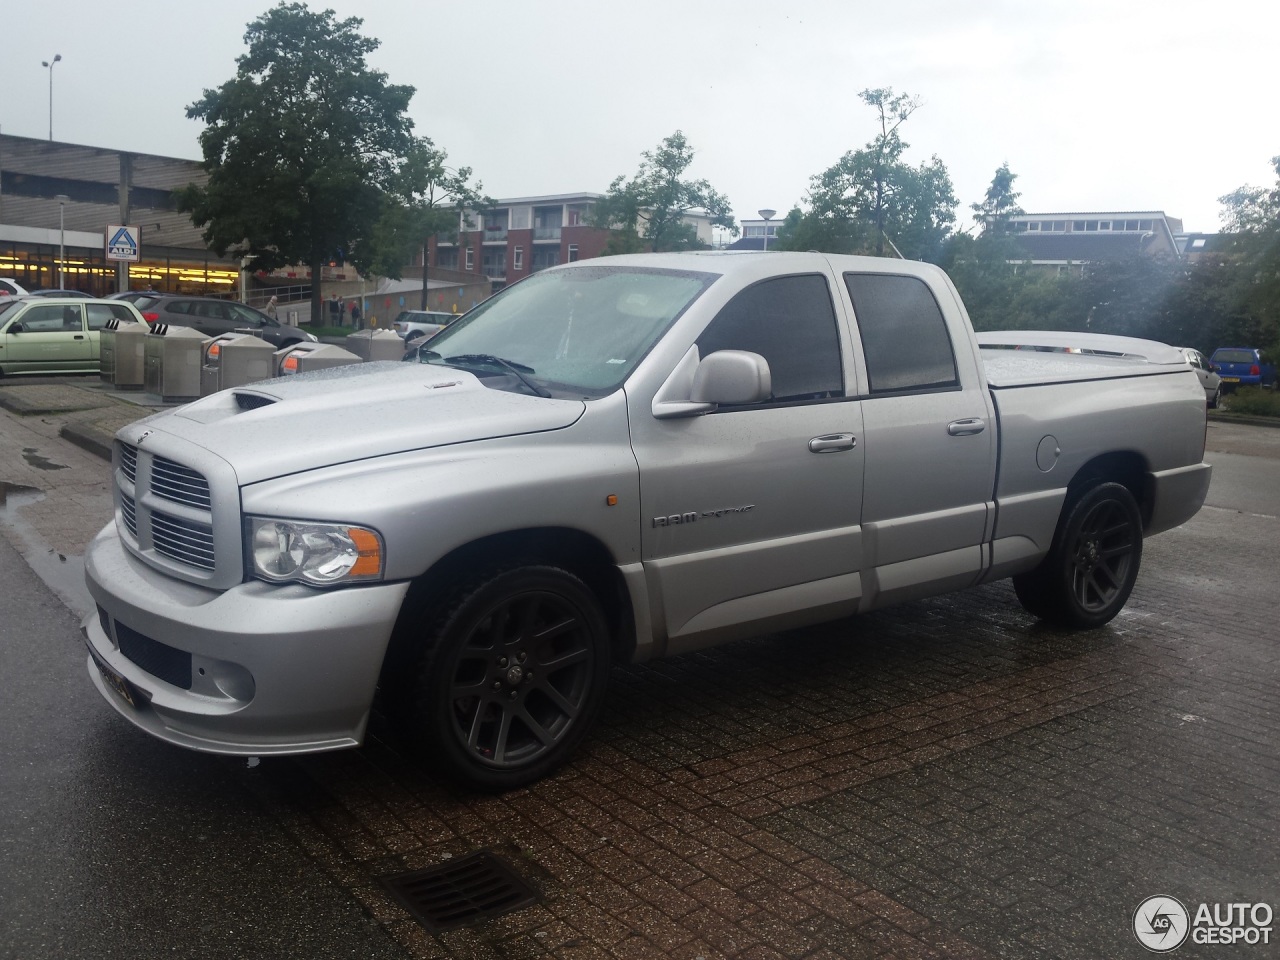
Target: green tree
999	205
872	201
658	197
1252	214
299	146
985	268
425	198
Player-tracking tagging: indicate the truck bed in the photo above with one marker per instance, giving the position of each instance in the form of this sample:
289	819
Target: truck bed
1021	358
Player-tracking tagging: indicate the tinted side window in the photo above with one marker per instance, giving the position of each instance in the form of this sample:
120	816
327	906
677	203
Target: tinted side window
178	306
904	336
99	314
791	322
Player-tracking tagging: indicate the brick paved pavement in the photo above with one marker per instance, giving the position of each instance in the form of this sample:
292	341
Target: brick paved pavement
947	779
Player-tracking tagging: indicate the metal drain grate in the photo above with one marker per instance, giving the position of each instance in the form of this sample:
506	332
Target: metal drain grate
460	892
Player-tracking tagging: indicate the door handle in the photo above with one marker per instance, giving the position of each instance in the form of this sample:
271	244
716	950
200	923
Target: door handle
78	336
832	443
966	428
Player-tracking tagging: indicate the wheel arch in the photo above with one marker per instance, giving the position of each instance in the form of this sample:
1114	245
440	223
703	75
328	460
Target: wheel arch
579	553
1126	467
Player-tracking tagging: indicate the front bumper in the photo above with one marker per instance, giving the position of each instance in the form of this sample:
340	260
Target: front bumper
258	669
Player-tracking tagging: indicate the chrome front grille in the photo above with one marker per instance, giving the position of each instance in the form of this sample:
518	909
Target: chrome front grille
178	517
129	461
183	540
180	484
129	510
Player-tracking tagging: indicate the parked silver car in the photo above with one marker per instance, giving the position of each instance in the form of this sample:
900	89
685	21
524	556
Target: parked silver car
1209	378
413	324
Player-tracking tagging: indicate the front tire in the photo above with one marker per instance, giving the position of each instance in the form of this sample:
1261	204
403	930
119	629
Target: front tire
1093	564
512	677
1217	398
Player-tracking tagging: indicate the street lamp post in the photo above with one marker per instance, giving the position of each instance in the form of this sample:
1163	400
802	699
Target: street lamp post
767	215
49	64
62	199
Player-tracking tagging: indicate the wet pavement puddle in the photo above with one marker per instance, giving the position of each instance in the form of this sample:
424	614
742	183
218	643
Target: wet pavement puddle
62	574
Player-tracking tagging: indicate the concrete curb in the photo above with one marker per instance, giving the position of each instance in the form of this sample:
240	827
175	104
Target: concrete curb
15	403
88	437
1244	419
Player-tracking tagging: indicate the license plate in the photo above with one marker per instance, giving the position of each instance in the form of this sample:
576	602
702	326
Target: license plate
116	682
1230	379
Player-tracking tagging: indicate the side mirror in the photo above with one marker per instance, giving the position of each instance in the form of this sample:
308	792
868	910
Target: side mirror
697	386
15	328
732	377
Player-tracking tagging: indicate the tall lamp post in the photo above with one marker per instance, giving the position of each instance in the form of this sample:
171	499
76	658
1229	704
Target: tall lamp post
49	64
767	215
62	199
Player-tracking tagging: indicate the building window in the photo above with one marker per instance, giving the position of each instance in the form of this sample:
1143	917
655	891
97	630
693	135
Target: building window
518	260
1033	226
495	263
544	257
1077	226
573	252
471	260
1091	225
448	259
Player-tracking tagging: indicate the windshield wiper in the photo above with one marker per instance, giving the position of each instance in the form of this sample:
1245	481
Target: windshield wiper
518	370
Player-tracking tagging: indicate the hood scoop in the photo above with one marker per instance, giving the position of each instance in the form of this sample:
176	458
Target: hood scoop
252	401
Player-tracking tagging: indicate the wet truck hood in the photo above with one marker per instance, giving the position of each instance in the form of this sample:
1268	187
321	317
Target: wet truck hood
288	425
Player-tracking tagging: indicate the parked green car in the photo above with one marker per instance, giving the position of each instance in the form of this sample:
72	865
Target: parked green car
55	334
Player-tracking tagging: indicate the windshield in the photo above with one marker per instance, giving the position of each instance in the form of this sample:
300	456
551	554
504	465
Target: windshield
574	332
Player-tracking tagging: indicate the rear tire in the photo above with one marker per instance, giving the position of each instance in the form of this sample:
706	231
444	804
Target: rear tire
1093	563
512	676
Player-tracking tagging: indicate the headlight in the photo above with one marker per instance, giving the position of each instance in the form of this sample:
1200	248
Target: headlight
321	554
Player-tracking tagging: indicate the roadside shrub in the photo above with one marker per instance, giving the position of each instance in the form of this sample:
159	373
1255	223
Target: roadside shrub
1255	402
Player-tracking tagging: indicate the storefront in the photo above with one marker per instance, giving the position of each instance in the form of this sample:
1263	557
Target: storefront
57	201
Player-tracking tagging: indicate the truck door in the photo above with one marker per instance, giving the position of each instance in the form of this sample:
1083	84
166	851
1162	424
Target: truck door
929	444
750	513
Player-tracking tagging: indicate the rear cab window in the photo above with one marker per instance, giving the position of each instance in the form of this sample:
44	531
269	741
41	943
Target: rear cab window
904	336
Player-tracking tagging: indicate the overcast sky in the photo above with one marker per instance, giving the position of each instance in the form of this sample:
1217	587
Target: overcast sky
1097	105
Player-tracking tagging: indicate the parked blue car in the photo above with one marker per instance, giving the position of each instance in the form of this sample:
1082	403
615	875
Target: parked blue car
1241	367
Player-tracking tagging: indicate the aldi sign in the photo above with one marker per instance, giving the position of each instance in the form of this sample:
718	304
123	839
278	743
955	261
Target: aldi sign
122	243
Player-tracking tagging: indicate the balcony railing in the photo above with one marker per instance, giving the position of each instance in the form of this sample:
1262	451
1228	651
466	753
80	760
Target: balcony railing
500	234
546	233
495	270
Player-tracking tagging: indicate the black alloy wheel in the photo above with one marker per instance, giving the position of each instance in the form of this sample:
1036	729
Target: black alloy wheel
1093	564
515	676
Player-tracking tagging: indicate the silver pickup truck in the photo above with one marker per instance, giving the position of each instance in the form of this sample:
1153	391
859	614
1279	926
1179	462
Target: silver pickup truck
614	460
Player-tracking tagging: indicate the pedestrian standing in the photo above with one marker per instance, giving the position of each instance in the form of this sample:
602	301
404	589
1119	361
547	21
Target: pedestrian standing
271	308
335	311
355	314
